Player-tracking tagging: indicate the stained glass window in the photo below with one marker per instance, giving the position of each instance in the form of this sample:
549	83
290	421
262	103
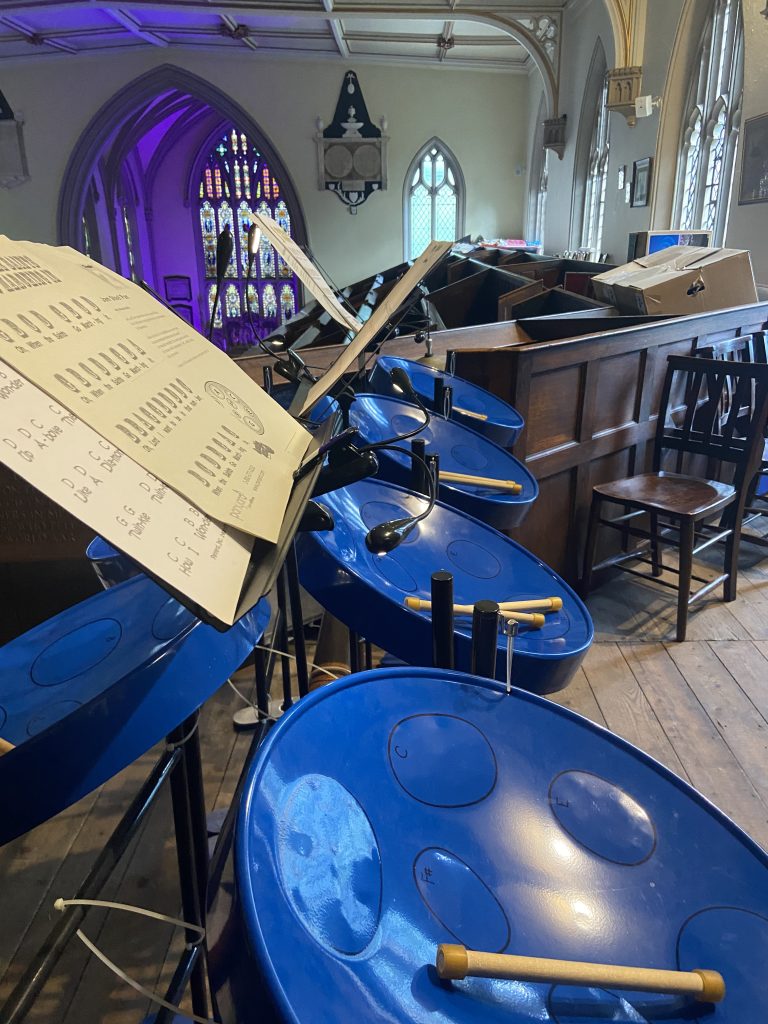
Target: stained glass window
597	178
232	301
234	180
710	129
269	300
287	302
211	292
433	199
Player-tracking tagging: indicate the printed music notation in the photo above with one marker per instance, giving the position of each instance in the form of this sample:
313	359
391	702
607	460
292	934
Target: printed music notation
149	384
56	452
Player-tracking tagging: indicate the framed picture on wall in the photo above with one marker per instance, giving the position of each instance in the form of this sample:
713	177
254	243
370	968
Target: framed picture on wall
754	161
641	181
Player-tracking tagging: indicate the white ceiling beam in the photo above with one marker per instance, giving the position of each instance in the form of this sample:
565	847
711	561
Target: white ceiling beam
234	28
337	31
442	53
37	38
129	22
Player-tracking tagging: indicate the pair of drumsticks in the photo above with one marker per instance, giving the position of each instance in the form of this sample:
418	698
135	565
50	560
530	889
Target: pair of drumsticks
530	612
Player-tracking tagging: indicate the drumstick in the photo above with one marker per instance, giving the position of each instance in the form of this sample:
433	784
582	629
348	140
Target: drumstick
535	619
5	746
481	481
457	962
468	412
546	604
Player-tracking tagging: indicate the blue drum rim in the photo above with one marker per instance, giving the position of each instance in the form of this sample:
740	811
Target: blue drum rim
507	416
500	499
543	656
244	879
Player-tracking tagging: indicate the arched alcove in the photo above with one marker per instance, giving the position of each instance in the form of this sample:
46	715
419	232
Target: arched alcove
157	133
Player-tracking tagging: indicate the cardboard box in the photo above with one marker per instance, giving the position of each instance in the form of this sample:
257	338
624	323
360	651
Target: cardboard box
679	281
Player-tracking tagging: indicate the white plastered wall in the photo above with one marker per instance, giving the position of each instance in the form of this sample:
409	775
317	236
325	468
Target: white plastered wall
482	117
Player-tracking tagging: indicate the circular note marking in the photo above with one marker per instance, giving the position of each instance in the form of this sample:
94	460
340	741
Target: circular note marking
442	760
469	457
395	572
734	942
602	817
460	900
50	714
172	619
76	652
329	863
473	559
576	1004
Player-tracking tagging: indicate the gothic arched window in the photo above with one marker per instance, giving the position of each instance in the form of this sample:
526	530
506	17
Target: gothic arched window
597	177
710	126
539	181
235	180
433	199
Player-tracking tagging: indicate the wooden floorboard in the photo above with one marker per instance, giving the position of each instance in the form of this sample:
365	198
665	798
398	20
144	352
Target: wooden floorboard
700	708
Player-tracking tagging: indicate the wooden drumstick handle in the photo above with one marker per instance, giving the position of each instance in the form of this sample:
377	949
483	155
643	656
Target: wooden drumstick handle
510	486
534	619
536	604
457	962
5	746
468	412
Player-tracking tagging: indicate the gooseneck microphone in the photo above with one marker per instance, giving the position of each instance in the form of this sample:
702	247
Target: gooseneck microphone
225	243
385	537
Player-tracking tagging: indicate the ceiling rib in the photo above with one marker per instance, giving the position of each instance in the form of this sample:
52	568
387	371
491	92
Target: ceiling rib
36	38
240	32
130	23
337	31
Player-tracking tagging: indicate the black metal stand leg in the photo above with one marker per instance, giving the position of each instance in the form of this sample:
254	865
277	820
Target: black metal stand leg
297	618
282	636
185	798
24	995
262	682
354	651
368	654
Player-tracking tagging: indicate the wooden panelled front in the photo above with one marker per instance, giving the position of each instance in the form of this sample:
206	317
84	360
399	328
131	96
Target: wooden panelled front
590	406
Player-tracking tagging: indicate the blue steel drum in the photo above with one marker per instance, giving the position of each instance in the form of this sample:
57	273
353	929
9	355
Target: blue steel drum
503	423
86	693
367	591
461	451
110	565
398	809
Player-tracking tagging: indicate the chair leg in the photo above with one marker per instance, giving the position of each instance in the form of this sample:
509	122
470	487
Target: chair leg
656	566
684	581
591	545
731	561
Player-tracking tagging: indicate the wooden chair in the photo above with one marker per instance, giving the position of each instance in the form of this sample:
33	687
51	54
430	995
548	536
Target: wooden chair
691	428
749	348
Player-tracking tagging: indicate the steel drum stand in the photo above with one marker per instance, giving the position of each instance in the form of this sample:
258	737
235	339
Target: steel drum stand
181	766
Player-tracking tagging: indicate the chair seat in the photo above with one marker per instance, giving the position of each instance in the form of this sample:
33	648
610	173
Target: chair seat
669	492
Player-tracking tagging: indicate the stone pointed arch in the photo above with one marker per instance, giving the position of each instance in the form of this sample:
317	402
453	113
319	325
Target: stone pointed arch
87	149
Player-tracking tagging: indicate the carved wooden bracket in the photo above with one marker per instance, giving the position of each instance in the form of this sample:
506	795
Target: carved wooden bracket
554	134
623	90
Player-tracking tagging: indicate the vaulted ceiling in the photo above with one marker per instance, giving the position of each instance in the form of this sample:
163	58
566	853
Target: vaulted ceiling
487	34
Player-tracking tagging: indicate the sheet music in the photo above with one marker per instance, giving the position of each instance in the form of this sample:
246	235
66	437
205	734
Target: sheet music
306	271
60	455
377	320
148	383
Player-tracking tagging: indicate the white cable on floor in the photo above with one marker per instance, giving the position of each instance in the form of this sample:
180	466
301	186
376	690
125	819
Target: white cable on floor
155	997
282	654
